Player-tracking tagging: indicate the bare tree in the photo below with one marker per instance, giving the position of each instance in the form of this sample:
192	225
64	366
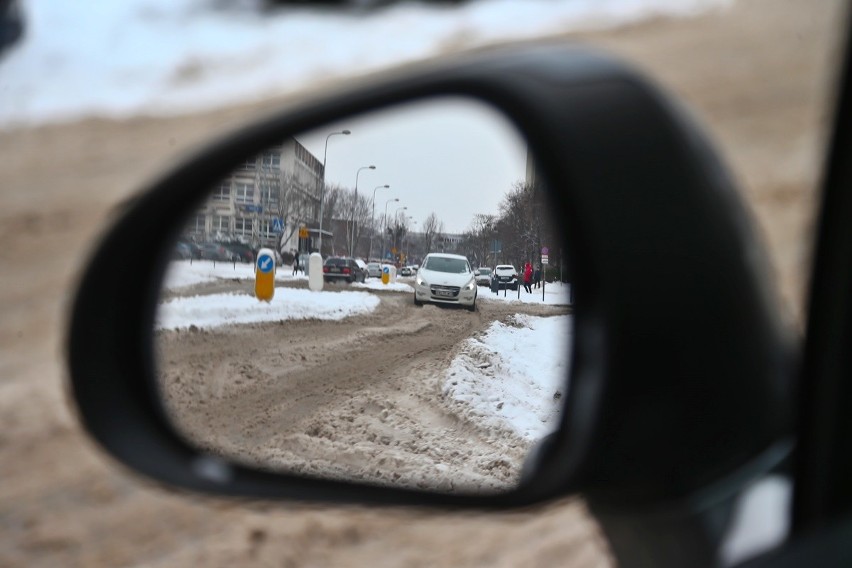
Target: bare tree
479	238
432	229
520	223
397	230
291	202
358	219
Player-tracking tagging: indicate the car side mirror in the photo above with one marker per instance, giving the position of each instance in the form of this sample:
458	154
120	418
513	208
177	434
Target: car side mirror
678	371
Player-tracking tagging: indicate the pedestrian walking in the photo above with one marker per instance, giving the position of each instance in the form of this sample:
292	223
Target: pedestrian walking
528	274
296	263
537	276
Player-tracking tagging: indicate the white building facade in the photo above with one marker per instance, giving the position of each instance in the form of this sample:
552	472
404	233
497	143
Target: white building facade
265	201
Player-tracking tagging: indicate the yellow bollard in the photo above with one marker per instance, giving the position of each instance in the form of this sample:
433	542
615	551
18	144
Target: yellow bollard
385	274
264	275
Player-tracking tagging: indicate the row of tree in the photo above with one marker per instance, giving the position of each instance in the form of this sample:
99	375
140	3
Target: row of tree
359	232
524	226
517	234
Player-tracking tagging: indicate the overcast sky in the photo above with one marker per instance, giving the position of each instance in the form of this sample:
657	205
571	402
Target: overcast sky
453	156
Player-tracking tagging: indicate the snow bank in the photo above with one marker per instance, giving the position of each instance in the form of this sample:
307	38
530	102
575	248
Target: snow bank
557	293
217	310
514	375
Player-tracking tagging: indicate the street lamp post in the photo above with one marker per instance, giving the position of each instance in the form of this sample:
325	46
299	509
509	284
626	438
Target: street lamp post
384	232
322	191
372	220
355	209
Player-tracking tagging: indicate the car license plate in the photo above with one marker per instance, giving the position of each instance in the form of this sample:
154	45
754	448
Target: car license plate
443	292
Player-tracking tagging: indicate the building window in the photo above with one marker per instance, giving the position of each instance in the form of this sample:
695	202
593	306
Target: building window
249	164
198	224
223	192
269	197
221	224
266	230
243	226
243	193
272	160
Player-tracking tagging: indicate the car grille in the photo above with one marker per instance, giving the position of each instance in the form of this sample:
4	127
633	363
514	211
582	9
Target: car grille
445	292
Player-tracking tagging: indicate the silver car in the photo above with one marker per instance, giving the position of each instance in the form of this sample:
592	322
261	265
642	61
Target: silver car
483	276
374	270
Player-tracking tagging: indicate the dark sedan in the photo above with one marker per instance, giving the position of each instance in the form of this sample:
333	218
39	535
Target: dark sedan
343	269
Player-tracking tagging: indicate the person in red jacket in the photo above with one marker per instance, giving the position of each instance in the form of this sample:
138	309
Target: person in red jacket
528	272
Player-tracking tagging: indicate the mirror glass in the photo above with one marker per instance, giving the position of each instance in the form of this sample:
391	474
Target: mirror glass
426	342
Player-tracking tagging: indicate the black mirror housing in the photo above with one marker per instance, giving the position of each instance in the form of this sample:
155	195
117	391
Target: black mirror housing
681	369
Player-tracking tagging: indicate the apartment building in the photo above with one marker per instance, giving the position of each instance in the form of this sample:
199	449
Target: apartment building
265	201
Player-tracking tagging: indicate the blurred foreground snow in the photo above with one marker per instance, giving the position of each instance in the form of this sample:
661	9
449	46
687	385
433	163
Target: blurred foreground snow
173	56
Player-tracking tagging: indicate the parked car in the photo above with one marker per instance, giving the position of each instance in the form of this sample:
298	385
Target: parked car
483	276
363	266
374	270
445	279
216	252
505	276
243	252
338	268
182	251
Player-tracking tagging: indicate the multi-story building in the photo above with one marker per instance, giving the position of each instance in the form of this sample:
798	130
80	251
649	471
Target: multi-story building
265	201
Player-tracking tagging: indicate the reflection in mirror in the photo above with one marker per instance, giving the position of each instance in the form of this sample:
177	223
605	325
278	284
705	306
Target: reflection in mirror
434	372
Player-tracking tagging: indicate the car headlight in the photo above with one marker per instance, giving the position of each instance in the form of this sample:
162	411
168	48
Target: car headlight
420	282
470	285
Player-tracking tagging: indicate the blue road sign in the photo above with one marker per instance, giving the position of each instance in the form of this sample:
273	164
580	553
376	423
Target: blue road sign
253	208
277	224
265	263
389	255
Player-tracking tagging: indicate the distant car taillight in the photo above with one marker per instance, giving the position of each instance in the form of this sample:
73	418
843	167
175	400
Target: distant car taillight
346	271
325	269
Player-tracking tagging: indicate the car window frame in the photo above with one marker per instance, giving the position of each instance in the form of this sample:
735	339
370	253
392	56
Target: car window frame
823	462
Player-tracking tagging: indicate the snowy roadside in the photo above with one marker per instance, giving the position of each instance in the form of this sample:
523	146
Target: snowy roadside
176	56
512	375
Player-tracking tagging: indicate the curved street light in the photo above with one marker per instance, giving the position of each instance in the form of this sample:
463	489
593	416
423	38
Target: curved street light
322	191
355	209
372	219
384	232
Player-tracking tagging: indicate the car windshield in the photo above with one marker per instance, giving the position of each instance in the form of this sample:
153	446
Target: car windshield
484	271
444	264
505	269
336	262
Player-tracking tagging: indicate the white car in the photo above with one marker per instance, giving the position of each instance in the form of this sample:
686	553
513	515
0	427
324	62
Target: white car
445	279
506	276
483	276
374	270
